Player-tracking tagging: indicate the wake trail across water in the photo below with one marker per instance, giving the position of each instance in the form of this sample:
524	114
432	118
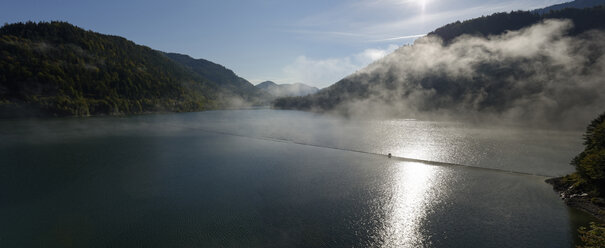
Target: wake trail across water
404	159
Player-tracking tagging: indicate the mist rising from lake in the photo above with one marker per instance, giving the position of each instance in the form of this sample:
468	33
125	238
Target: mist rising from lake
266	178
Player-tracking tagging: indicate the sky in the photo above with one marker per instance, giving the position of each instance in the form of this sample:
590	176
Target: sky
285	41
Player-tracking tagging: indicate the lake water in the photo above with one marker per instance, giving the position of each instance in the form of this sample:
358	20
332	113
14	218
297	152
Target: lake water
268	178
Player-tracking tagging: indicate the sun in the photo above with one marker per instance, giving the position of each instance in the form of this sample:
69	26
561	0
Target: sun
422	4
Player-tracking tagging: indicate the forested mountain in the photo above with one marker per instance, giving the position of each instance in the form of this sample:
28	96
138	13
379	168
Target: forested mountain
266	85
283	90
583	20
59	69
590	163
518	66
578	4
222	76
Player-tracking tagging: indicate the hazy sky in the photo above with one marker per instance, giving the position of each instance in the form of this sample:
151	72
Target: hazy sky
314	42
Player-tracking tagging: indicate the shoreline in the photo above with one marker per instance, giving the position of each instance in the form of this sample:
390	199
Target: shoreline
578	200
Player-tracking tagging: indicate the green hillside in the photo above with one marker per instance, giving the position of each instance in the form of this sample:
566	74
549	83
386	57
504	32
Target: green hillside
231	84
498	23
517	66
57	69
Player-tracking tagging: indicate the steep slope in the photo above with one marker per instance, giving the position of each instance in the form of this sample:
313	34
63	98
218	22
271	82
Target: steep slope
222	76
284	90
266	85
578	4
59	69
518	66
583	20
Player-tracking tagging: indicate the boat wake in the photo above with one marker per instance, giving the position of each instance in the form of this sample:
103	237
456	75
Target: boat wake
388	155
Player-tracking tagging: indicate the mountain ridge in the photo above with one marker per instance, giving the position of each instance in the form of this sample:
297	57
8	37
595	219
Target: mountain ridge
222	76
499	23
578	4
266	85
284	90
480	69
58	69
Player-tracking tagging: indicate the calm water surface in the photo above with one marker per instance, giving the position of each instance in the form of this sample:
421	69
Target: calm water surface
266	178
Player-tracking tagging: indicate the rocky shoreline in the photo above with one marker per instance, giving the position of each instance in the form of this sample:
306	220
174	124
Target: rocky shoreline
595	206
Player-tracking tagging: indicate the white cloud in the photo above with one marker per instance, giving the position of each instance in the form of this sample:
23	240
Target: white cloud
378	22
324	72
401	38
370	55
381	20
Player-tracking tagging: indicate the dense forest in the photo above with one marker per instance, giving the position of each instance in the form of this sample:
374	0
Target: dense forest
57	69
521	65
283	90
590	163
229	82
498	23
585	189
578	4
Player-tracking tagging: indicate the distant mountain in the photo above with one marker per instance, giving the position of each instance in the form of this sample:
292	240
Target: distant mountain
578	4
284	90
266	85
220	75
519	67
499	23
59	69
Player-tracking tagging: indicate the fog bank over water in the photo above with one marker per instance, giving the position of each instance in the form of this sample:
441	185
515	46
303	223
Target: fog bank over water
265	178
508	148
537	75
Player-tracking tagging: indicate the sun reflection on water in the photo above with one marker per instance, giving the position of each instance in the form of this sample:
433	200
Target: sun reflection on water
415	189
417	140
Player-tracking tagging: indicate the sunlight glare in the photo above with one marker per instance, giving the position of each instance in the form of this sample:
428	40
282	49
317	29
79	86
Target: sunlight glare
411	200
422	4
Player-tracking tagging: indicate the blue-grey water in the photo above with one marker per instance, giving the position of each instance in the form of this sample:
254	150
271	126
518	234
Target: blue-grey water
268	178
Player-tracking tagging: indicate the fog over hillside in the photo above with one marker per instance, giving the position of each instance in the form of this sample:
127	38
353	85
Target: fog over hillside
284	90
538	74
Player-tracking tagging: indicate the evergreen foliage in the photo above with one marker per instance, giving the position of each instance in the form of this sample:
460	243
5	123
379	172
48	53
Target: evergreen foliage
592	237
590	163
498	23
231	84
59	69
494	78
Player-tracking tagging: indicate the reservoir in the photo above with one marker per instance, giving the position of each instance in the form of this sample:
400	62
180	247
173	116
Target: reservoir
270	178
